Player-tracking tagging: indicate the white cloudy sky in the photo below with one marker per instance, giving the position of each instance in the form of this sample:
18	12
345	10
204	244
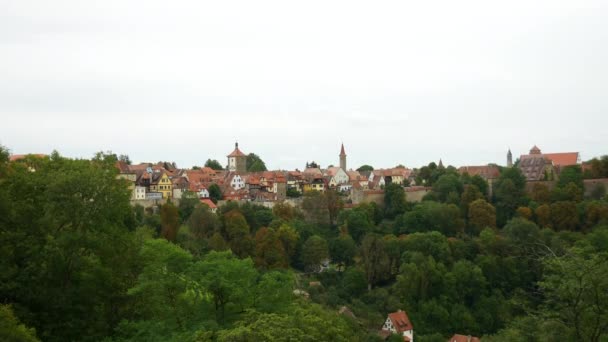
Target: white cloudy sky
399	82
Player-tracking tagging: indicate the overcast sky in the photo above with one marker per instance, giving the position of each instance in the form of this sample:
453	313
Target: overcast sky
403	82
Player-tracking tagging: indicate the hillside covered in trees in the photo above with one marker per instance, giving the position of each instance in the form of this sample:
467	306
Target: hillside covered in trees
79	263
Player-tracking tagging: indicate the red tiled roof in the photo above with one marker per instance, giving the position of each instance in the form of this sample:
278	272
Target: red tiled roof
237	153
209	203
563	159
400	321
463	338
15	157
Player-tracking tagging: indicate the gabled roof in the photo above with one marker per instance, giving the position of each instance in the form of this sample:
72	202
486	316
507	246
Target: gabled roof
400	321
332	171
16	157
237	152
209	203
463	338
563	159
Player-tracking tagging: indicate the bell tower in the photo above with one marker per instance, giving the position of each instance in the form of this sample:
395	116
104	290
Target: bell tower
342	158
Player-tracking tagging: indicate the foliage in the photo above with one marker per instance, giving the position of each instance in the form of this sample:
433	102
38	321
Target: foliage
254	163
365	168
576	298
432	216
481	215
214	164
169	220
215	194
394	200
314	251
12	330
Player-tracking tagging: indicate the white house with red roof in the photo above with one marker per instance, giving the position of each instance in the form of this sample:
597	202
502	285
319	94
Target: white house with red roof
399	323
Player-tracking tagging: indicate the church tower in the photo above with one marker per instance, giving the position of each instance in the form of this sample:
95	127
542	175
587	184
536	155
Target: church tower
343	158
509	159
237	160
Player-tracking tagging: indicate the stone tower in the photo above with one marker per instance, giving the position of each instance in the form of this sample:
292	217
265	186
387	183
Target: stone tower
509	159
237	160
342	158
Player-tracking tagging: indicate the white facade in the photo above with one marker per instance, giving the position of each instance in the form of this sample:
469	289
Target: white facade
203	193
388	325
237	182
139	193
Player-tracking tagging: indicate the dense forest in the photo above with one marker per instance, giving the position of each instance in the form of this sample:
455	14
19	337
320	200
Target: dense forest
80	263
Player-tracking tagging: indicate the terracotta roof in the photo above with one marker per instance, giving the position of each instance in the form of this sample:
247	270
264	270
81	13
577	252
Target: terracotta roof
332	171
463	338
16	157
237	152
122	167
400	321
209	203
312	171
563	159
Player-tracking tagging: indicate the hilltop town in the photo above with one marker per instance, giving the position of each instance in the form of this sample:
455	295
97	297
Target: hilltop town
154	183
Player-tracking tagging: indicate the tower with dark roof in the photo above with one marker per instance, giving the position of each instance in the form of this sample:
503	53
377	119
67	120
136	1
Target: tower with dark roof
237	160
509	159
342	158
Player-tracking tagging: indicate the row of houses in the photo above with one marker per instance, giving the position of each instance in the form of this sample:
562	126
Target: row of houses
165	181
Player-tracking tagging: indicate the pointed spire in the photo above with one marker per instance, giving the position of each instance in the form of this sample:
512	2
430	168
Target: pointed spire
342	153
440	164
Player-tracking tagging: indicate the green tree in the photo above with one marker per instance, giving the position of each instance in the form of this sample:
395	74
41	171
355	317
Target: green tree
12	330
433	216
67	246
186	206
214	164
343	250
446	184
564	215
269	251
365	168
226	278
357	222
254	163
510	194
374	259
394	200
237	234
470	194
481	215
169	220
334	204
314	251
571	174
203	223
161	285
289	238
215	193
576	298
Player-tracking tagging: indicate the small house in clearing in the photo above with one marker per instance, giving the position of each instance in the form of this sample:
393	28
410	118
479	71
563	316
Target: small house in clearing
399	323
